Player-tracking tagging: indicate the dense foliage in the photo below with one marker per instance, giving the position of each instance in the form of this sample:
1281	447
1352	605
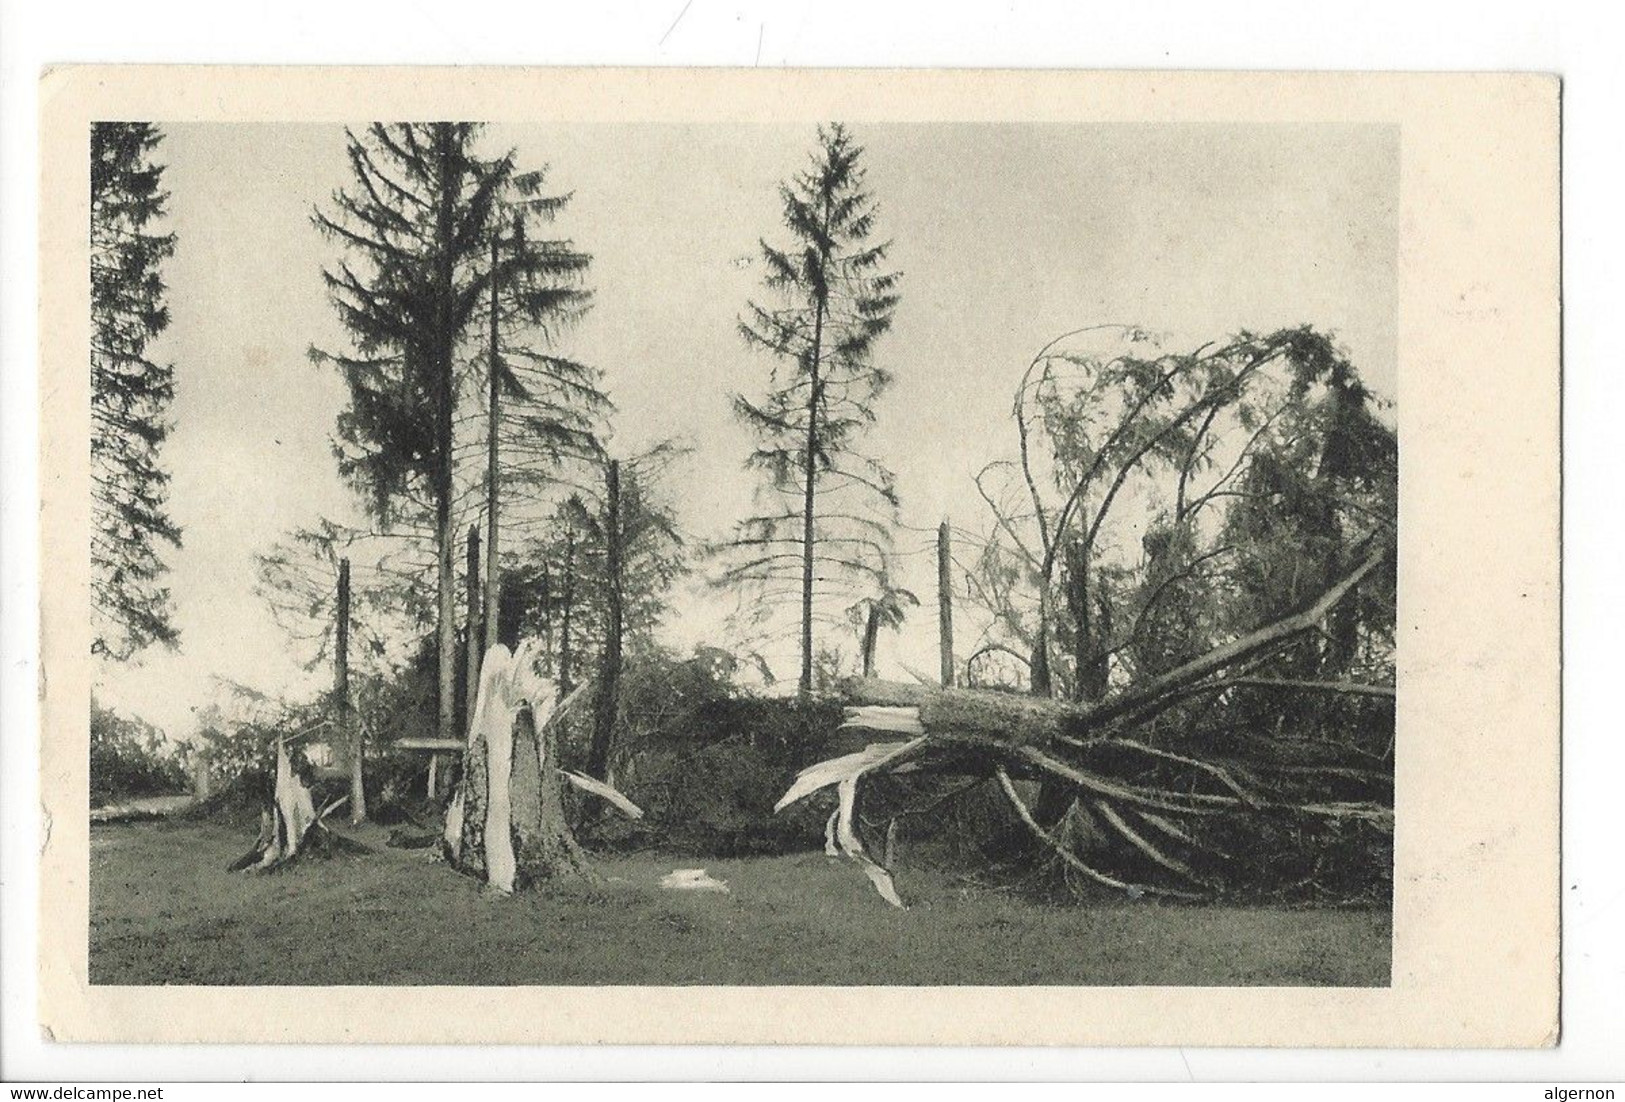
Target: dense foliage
707	758
418	229
130	392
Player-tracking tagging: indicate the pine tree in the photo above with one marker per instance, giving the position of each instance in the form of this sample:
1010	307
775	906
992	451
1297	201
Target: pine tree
130	392
416	226
544	418
829	509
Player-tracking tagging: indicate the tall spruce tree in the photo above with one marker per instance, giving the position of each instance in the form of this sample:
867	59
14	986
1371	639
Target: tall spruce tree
130	392
416	225
828	509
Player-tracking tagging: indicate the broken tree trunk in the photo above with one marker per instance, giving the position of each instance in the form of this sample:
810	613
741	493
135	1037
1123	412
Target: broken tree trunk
1036	720
292	826
506	822
844	773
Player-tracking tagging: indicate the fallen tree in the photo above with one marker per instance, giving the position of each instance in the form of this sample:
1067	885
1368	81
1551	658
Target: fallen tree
1162	795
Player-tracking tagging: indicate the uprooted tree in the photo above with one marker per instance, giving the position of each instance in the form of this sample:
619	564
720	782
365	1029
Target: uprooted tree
1192	557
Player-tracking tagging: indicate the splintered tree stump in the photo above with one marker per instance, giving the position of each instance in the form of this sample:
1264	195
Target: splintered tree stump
292	826
506	823
544	846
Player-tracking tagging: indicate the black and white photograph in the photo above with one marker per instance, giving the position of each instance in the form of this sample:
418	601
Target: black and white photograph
871	559
840	554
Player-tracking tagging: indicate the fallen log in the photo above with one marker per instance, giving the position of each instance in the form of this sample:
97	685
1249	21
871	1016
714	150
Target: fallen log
1019	720
972	713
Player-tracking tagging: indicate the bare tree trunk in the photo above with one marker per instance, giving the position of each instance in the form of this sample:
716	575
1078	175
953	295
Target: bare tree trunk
471	629
446	633
1038	678
566	683
1090	668
609	667
945	606
1097	678
871	635
1054	807
493	470
544	602
349	733
445	394
202	776
808	509
814	397
1077	603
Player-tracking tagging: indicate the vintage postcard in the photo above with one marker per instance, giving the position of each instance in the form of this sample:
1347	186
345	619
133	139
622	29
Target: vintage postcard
855	557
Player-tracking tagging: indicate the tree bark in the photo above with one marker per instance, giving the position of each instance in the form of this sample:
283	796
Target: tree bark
808	510
945	607
814	397
1039	682
506	824
493	488
349	734
471	628
609	666
544	604
871	636
566	681
445	395
545	847
1077	599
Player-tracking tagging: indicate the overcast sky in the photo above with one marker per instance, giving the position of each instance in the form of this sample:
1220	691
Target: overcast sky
1007	236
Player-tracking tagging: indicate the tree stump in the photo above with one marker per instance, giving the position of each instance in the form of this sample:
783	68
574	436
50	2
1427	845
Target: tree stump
292	826
506	822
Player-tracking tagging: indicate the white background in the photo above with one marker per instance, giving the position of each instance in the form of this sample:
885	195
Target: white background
1579	41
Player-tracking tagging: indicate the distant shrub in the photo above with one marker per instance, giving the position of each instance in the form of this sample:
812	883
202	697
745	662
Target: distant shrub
130	757
706	758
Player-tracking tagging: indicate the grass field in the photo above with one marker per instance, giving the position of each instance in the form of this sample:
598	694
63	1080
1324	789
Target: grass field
164	910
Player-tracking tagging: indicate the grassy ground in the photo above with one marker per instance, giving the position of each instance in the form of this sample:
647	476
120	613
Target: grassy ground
163	910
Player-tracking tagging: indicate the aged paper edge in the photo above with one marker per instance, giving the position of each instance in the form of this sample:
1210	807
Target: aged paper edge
1475	956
